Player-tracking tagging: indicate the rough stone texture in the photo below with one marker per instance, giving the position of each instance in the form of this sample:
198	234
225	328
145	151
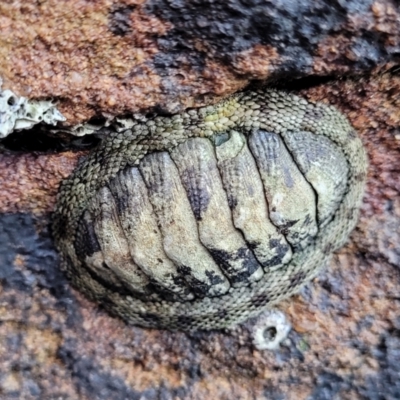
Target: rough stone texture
115	56
55	344
29	182
345	341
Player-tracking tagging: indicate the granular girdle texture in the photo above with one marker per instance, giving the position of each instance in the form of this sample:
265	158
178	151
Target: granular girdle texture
203	219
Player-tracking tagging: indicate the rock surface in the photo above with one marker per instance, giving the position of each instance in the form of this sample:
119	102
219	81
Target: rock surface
345	337
111	57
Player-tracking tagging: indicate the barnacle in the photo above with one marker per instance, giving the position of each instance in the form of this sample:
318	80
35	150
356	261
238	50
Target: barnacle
270	330
19	113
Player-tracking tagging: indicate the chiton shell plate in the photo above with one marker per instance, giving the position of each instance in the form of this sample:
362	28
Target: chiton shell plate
203	219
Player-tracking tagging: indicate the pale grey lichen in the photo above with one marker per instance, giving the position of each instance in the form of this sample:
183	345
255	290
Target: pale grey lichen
270	330
17	112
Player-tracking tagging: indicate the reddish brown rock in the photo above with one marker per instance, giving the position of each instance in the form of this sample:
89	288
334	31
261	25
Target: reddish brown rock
111	57
29	182
346	324
54	343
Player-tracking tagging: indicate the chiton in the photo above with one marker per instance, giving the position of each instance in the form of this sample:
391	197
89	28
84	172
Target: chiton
203	219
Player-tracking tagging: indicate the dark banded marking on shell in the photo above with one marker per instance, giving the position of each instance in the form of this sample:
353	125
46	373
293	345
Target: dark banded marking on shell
196	216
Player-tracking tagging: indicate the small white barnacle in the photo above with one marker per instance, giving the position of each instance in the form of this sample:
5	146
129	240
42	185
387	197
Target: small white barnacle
17	112
200	226
270	330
